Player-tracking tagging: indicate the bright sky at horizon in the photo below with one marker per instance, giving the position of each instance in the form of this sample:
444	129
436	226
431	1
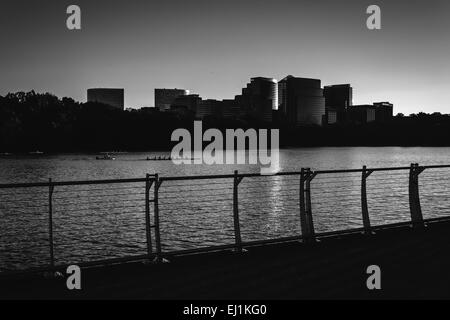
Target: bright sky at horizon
213	48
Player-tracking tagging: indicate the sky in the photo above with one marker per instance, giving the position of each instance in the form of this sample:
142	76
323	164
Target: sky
214	47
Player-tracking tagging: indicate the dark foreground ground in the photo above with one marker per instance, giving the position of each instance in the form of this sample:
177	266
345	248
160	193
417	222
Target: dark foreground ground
414	264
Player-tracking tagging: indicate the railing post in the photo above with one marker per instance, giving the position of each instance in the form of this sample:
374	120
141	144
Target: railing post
414	199
237	227
50	222
148	185
156	212
303	219
365	211
308	208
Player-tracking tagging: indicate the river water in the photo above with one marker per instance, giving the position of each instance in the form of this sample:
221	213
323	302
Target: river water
106	221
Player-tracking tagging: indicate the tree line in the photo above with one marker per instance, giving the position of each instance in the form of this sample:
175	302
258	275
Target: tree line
31	121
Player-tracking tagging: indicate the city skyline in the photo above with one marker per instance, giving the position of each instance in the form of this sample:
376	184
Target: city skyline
301	101
223	44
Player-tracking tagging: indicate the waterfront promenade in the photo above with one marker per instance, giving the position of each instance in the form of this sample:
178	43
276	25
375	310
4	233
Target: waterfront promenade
414	264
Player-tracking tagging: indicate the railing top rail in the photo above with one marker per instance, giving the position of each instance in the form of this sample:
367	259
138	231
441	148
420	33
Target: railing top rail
360	170
202	177
70	183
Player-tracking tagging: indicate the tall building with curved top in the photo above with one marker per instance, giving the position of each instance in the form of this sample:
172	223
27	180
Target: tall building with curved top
259	98
302	100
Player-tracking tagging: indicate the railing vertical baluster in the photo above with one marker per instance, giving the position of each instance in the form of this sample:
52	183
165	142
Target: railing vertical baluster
303	219
148	185
365	210
156	213
308	208
414	199
237	227
412	204
50	222
419	170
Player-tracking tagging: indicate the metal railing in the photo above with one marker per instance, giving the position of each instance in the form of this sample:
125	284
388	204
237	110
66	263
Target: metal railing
185	207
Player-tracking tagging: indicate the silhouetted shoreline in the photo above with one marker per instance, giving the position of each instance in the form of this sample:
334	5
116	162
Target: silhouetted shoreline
31	122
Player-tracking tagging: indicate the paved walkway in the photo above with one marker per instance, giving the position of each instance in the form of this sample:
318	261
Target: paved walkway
414	264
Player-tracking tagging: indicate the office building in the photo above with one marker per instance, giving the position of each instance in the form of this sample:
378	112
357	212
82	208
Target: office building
230	109
164	98
360	114
259	98
301	100
186	104
208	108
338	97
331	116
384	111
112	97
